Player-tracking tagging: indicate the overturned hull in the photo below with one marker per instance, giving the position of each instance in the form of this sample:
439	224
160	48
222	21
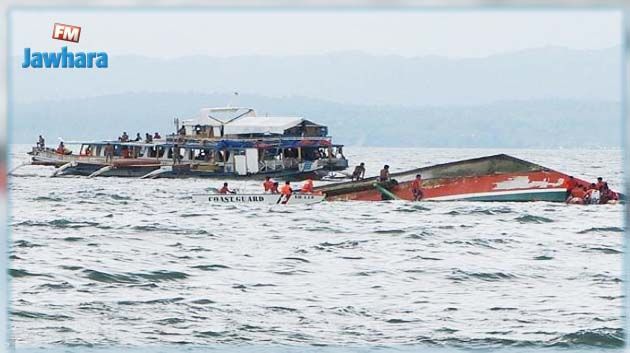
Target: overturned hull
493	178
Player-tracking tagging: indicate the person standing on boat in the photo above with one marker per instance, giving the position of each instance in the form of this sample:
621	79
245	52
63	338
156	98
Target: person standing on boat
226	190
416	188
177	158
157	136
109	153
124	137
138	138
359	172
384	175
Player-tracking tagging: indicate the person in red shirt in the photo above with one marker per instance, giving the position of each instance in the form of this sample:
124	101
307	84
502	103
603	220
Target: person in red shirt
226	190
274	188
577	195
600	183
268	184
416	188
307	188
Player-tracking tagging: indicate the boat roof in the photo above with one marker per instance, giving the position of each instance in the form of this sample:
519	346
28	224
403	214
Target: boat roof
264	125
219	116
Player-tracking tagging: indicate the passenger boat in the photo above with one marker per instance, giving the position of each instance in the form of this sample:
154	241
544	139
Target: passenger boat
219	143
262	199
493	178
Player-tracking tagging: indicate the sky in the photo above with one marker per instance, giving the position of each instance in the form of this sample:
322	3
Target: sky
237	32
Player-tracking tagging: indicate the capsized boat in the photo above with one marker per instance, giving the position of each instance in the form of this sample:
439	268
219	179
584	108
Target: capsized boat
494	178
262	199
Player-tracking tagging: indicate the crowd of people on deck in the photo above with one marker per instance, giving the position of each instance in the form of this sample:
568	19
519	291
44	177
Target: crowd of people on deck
148	138
595	193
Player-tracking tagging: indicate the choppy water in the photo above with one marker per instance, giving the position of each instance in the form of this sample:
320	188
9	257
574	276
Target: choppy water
111	261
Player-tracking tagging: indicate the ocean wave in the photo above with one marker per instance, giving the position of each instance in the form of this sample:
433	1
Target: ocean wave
460	275
212	267
131	278
58	223
604	337
602	229
38	316
152	301
17	273
533	219
604	250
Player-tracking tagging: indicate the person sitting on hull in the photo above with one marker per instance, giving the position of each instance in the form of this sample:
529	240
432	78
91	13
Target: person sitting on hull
416	188
359	172
61	149
41	144
226	190
384	174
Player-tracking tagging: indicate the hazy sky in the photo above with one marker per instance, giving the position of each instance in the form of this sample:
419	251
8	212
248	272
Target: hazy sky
167	33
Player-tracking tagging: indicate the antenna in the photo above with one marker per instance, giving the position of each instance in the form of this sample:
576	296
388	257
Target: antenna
235	96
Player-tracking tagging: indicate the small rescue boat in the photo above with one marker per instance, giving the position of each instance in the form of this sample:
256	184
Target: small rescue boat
262	199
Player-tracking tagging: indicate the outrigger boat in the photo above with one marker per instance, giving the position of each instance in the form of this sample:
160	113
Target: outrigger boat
219	143
263	199
493	178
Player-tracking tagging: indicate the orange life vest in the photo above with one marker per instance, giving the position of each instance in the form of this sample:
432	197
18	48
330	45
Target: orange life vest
286	190
268	185
308	186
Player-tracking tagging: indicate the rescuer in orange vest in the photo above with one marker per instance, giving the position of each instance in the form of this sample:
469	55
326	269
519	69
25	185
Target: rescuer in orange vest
286	189
307	188
268	184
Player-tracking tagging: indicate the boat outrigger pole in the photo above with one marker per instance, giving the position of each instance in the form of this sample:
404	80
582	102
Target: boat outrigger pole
63	167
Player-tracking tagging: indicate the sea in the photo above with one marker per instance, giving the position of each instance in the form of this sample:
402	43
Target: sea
119	262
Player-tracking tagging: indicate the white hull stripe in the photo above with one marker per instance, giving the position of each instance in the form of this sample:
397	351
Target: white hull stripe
495	193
